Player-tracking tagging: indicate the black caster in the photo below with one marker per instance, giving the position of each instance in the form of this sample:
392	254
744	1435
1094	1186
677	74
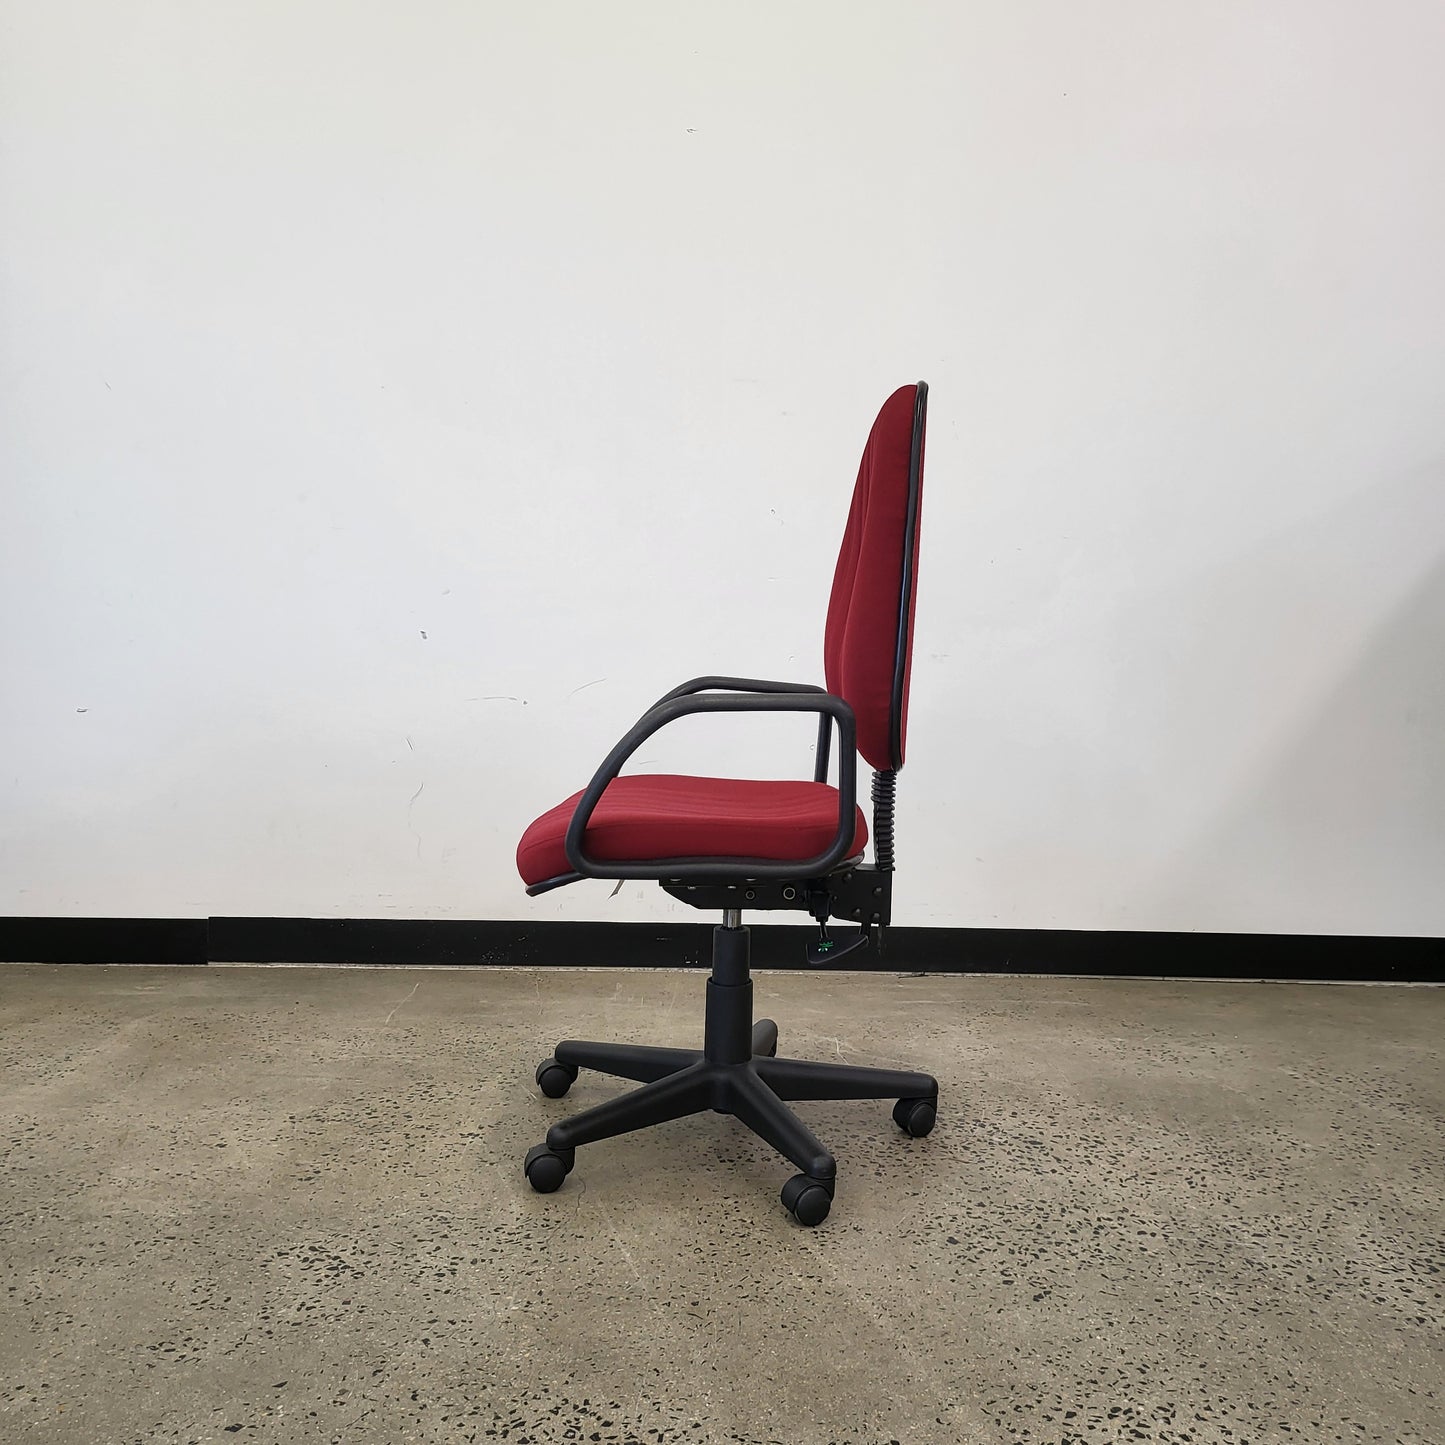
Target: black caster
547	1168
807	1199
916	1116
765	1039
555	1078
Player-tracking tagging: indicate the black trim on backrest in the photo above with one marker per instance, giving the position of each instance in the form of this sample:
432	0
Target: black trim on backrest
905	591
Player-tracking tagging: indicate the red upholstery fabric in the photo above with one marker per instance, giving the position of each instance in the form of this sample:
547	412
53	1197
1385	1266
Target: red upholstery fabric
663	815
862	634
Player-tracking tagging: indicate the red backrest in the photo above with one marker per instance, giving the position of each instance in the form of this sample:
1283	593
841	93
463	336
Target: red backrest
868	646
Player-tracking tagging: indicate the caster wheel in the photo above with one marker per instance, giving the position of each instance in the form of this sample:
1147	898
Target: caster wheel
807	1199
916	1116
554	1079
765	1039
547	1168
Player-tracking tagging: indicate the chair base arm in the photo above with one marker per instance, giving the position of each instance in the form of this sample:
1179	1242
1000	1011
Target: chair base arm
736	1072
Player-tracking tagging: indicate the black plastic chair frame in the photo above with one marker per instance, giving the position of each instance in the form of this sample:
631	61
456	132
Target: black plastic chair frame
750	696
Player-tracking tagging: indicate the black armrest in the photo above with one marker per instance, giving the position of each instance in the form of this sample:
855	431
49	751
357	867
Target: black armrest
733	684
683	704
753	684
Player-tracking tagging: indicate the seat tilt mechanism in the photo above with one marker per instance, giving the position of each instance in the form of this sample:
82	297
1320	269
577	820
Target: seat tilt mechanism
826	949
861	895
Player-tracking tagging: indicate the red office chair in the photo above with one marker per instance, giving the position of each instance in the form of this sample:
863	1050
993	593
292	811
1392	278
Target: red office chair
726	842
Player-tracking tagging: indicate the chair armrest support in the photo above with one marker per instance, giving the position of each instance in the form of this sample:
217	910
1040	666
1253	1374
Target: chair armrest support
763	697
753	684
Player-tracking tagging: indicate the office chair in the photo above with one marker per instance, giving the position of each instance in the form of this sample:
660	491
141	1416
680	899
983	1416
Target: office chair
731	843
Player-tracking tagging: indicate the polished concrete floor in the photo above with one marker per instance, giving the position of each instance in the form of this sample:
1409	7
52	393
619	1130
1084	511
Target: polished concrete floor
287	1205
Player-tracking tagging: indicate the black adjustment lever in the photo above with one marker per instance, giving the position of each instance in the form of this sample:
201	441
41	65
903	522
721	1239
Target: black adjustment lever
827	949
874	929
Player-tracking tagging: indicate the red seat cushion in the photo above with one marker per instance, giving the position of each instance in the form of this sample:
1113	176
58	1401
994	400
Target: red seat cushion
664	815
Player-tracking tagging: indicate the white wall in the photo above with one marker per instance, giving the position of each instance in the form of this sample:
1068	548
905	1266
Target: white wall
397	398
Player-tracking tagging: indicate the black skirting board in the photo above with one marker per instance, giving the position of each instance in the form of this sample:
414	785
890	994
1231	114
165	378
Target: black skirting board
678	944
